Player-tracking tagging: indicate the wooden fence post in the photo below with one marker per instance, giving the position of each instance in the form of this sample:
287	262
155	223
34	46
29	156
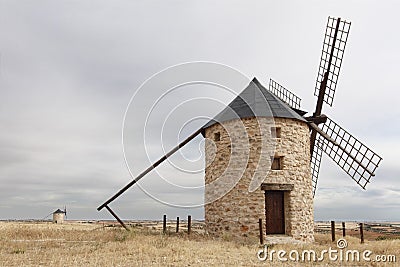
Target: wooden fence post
362	233
165	223
333	230
177	224
344	229
189	224
261	231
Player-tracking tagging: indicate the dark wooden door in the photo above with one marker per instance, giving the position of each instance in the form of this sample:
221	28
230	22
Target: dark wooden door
274	212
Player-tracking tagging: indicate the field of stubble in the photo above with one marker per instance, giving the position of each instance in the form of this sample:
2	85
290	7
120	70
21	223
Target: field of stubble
81	244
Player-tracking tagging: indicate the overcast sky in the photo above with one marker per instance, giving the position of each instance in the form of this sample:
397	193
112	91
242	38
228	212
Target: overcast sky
68	70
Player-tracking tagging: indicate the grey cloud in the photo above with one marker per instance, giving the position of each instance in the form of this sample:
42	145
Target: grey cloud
68	70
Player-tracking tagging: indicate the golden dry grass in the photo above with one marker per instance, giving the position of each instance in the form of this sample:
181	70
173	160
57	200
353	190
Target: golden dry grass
77	244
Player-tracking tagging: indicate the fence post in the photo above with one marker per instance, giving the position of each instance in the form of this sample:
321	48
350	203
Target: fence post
333	230
362	233
189	224
165	223
261	231
177	224
344	229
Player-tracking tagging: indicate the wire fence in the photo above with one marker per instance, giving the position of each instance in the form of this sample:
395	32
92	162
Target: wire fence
335	229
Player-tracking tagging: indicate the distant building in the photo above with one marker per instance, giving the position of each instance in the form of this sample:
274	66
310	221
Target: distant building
58	216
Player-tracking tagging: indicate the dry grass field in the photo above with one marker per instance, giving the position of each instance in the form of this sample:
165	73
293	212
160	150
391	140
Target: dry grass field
83	244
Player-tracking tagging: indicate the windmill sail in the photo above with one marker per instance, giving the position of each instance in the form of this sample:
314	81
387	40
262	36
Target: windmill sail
316	158
284	94
355	158
333	47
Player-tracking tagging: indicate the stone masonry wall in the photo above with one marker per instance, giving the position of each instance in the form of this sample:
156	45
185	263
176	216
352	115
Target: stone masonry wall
239	157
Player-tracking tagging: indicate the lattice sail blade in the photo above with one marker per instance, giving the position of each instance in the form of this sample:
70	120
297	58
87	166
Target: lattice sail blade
315	164
284	94
356	159
333	47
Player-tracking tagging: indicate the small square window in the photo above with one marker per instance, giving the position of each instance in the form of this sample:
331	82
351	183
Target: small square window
277	163
217	136
276	132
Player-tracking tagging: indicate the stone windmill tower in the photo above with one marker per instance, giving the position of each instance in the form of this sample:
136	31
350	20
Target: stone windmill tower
59	216
263	154
259	140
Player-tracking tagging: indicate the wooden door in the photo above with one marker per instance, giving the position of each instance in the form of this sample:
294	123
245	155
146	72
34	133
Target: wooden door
274	212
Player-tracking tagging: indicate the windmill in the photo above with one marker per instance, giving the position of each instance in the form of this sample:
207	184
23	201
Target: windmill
59	216
292	193
355	158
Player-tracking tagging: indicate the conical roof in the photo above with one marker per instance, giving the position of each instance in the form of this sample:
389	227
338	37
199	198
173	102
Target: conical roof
255	101
58	211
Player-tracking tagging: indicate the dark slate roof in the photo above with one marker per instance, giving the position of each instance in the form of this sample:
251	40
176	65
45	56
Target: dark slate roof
58	211
255	101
